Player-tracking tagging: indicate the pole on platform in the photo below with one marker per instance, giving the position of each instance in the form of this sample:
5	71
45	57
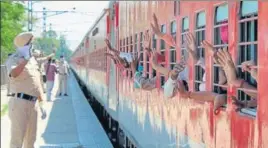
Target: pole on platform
30	15
44	21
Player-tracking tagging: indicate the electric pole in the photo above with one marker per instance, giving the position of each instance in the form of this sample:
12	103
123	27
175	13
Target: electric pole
30	15
44	21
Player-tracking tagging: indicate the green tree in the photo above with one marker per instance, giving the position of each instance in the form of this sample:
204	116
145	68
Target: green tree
13	19
64	49
47	43
49	40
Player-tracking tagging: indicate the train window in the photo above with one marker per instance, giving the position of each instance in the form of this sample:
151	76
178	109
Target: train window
162	50
130	39
154	41
127	41
95	44
130	47
249	7
141	49
200	36
163	30
136	43
221	13
173	31
176	7
248	32
185	29
220	23
147	64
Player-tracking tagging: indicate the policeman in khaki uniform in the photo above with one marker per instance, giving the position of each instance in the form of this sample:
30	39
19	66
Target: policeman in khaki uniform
41	60
25	84
63	74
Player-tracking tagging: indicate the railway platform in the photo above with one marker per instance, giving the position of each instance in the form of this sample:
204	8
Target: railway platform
70	122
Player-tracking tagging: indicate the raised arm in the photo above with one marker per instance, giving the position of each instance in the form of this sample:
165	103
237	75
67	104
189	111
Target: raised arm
227	63
191	46
43	59
156	66
16	70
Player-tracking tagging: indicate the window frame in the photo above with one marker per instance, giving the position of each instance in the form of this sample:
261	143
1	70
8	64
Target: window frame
198	79
162	49
173	49
216	67
249	18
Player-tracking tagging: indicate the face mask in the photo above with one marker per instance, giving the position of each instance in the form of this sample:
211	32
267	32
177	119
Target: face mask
224	34
140	68
25	51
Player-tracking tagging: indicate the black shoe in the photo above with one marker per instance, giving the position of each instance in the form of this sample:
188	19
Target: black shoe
65	95
60	94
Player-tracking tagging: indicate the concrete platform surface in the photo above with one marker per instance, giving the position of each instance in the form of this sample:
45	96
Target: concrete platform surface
70	122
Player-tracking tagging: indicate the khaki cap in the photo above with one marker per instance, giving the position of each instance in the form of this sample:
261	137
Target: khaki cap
22	39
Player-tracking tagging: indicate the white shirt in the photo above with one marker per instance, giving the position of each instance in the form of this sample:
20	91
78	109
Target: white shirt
127	56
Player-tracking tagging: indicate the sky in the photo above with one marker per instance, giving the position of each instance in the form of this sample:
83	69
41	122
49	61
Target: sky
74	25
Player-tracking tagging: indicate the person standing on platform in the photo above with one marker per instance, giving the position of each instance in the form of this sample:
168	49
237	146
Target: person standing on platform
63	74
41	59
51	70
25	83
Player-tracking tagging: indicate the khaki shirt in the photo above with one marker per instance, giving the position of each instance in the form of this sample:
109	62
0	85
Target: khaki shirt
29	80
41	62
63	68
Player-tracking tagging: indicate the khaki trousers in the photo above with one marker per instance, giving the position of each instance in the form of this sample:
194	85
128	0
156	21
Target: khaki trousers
63	84
23	115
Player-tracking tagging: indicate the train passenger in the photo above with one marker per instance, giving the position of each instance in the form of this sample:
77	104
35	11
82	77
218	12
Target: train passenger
228	65
225	60
175	83
121	59
141	82
191	48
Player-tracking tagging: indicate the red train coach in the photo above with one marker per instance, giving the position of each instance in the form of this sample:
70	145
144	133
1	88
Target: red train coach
138	118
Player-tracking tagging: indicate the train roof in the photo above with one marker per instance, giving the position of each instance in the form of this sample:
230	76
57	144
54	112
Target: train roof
105	11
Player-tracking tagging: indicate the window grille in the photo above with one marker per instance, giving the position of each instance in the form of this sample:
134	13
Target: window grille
220	20
141	49
154	42
147	64
200	36
173	31
184	31
162	50
248	33
163	30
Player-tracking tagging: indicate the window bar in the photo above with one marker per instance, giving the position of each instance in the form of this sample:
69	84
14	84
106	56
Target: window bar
247	46
221	20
